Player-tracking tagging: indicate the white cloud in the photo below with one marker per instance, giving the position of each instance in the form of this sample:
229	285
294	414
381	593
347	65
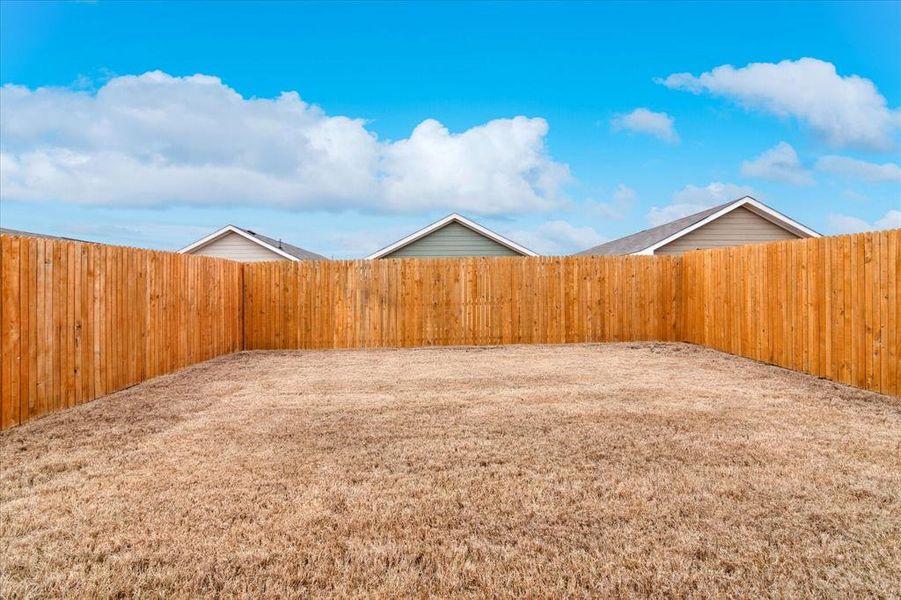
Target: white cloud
712	194
556	238
692	199
642	120
845	111
154	139
846	224
891	220
499	167
624	195
779	163
623	200
859	169
839	223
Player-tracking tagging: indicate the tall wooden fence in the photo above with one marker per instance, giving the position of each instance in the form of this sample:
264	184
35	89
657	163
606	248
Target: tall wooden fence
827	306
424	302
82	320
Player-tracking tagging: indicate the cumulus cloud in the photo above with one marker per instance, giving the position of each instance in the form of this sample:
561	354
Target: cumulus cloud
642	120
711	194
155	139
556	238
500	166
839	223
859	169
844	110
623	199
891	220
779	163
692	199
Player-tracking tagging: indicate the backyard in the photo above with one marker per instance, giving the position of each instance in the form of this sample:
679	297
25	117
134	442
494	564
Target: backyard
625	469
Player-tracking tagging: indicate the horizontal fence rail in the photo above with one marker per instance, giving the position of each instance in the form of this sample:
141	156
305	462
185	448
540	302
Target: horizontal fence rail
826	306
472	301
79	320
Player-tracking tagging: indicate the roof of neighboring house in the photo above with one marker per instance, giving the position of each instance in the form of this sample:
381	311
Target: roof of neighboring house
645	242
452	218
291	249
284	249
18	232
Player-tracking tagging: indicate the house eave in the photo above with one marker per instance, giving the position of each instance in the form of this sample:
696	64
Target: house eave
454	217
232	229
747	202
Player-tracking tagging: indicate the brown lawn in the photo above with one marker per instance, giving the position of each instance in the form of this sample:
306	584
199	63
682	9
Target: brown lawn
661	470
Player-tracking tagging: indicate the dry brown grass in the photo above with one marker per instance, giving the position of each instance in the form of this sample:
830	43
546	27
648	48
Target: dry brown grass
623	469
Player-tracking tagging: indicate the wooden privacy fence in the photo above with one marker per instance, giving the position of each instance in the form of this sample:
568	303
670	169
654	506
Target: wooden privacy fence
424	302
82	320
827	306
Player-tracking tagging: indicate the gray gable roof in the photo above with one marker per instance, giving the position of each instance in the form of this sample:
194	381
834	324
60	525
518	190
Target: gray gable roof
644	239
20	233
441	223
295	251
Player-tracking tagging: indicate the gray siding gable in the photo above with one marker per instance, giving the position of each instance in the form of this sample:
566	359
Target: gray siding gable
736	228
453	239
743	221
234	247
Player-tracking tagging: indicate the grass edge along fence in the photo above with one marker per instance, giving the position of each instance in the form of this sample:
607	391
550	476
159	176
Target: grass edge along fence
81	320
825	306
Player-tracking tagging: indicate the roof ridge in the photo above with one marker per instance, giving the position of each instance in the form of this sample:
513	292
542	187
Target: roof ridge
444	222
670	228
286	249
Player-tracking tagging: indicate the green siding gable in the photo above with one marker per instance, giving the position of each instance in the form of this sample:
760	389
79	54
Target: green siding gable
452	240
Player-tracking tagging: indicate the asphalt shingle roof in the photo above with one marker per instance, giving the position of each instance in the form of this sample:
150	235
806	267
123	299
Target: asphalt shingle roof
295	251
643	239
20	233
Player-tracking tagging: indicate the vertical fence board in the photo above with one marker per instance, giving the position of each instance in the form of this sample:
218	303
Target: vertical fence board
79	320
827	306
476	301
10	323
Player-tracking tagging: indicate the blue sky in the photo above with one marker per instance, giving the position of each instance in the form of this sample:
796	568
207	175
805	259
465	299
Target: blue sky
341	127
